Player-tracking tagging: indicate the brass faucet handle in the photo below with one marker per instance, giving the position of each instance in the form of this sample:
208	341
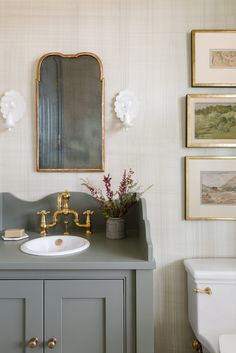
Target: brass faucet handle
88	212
43	212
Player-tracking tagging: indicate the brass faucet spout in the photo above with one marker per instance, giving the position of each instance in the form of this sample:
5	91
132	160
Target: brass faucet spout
59	201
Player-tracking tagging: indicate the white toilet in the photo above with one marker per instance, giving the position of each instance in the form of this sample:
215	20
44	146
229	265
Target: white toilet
212	303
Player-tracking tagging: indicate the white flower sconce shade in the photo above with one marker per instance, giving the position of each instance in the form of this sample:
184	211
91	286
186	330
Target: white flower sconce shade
12	106
126	107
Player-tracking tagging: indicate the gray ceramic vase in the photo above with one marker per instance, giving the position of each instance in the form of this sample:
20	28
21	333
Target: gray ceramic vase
115	228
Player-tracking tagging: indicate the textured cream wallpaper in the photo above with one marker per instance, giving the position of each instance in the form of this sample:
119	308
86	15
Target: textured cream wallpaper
144	46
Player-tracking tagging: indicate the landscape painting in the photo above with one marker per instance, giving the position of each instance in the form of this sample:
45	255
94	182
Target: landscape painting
218	187
211	120
210	187
215	121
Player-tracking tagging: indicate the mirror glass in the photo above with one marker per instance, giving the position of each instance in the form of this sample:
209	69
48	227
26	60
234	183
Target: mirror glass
70	113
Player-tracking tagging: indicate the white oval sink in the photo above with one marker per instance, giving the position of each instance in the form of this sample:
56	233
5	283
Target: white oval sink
55	245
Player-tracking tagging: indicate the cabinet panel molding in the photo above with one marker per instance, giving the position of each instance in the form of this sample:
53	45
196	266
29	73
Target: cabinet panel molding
21	315
106	298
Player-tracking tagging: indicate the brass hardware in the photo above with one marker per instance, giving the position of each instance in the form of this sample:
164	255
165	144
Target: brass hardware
43	224
197	346
66	228
63	196
206	290
58	242
33	342
63	209
52	342
88	213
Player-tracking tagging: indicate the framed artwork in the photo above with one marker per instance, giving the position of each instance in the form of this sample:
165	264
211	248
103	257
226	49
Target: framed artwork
211	188
214	58
211	120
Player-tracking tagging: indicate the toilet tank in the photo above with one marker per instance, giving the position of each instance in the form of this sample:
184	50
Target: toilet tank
215	312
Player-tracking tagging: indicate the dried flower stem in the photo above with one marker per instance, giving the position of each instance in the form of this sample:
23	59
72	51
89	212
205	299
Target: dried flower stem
116	204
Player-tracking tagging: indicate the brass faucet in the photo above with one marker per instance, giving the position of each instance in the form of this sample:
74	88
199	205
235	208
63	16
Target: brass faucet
63	209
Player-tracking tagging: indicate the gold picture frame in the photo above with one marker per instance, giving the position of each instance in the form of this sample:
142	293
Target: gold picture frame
211	120
213	58
210	188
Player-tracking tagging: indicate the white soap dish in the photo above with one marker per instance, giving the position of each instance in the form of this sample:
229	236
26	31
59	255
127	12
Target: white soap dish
24	236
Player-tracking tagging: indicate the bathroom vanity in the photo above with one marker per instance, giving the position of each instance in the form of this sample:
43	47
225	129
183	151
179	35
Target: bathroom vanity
98	301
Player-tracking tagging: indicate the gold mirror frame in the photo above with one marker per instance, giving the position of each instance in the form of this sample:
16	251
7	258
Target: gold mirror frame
102	112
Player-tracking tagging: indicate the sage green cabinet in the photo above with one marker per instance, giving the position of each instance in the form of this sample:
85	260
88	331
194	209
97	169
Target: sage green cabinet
85	316
21	315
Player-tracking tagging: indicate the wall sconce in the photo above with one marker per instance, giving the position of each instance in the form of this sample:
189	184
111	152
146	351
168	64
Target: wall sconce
126	108
12	106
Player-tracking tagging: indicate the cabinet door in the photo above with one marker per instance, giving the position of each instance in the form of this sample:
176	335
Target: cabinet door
85	316
21	311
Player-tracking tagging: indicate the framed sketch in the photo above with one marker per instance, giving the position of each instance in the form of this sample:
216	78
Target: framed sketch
214	58
211	120
211	188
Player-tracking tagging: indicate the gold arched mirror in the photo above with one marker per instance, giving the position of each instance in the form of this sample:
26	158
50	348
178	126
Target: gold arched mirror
70	113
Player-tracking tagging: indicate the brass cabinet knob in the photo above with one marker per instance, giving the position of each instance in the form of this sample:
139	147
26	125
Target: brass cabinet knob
52	342
33	342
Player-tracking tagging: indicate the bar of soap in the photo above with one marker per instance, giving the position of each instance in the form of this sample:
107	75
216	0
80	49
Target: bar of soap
14	233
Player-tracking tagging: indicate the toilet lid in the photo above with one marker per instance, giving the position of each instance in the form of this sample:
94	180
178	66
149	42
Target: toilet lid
227	343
